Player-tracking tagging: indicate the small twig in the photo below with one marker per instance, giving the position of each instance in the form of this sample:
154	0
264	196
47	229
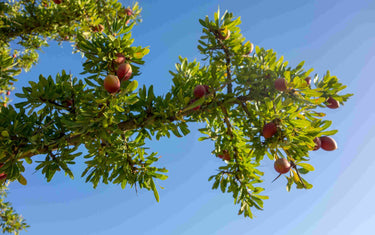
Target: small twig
276	177
227	122
294	166
244	107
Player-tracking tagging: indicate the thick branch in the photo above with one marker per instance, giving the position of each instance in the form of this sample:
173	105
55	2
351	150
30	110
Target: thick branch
131	124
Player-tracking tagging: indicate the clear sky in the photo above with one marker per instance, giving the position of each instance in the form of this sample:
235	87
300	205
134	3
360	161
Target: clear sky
338	35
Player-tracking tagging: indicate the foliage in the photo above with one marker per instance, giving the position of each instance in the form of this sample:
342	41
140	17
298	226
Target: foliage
59	114
10	220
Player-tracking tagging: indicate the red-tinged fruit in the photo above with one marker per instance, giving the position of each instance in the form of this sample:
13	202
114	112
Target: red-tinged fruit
225	156
207	89
67	103
99	28
332	103
128	12
3	176
195	108
120	58
224	34
318	143
124	71
57	1
308	80
199	91
282	165
328	143
280	84
8	93
269	130
251	49
112	83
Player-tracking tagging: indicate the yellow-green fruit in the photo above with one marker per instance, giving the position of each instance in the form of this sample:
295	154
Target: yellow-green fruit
112	83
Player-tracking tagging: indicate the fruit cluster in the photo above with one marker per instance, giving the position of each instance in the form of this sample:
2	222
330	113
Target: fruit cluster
281	85
123	72
282	165
325	142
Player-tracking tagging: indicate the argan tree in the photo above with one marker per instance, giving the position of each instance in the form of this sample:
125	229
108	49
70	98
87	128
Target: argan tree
253	105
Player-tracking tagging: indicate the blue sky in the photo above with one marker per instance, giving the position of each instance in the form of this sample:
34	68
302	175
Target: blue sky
335	35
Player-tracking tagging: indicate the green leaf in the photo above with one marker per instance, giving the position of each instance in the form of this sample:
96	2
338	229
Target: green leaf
184	129
22	180
202	138
175	132
216	184
289	184
326	124
28	160
124	183
306	166
153	187
202	23
195	104
131	87
223	184
5	133
332	132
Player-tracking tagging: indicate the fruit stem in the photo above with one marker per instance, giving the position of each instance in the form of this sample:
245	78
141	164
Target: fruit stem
294	166
276	178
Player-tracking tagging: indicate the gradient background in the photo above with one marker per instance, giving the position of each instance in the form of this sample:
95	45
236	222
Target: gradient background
338	35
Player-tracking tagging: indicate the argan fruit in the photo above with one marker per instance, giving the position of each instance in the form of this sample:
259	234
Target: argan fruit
99	28
269	130
224	34
251	49
328	143
57	1
225	155
128	12
124	71
318	143
67	103
199	91
280	84
3	176
111	83
120	58
282	165
308	80
332	103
